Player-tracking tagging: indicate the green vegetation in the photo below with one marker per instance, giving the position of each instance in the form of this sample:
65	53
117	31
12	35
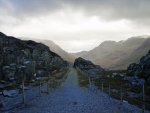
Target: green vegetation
118	87
83	80
9	87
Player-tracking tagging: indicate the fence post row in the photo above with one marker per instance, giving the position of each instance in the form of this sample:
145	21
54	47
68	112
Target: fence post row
121	94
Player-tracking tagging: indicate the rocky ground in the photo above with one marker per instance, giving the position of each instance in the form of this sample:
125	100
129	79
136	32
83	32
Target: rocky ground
71	98
21	60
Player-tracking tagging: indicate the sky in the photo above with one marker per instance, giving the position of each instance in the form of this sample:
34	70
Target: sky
75	25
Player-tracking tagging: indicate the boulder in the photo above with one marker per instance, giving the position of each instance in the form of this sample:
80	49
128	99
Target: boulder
135	81
10	93
2	103
41	73
9	73
88	67
85	64
134	95
141	69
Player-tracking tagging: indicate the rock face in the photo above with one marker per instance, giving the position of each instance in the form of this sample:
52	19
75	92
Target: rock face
58	50
142	69
18	57
88	67
55	48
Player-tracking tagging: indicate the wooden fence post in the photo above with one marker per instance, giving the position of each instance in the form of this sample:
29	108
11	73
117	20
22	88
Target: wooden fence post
143	97
102	87
40	87
23	93
48	86
121	94
89	82
109	89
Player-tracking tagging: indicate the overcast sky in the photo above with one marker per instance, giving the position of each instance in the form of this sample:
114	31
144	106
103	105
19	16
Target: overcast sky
75	25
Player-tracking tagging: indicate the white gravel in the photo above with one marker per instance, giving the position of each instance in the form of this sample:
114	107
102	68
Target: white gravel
71	98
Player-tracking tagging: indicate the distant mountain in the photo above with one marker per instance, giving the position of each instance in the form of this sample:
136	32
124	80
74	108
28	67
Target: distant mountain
82	53
135	56
118	55
55	48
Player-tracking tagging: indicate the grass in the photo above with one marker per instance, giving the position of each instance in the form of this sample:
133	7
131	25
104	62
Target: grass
117	84
60	74
10	87
83	80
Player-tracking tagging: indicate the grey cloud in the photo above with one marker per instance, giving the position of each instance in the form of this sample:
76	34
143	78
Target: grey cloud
107	9
14	14
25	8
114	9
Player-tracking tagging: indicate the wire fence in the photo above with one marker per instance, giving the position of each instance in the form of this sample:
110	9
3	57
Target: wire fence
119	89
115	88
29	91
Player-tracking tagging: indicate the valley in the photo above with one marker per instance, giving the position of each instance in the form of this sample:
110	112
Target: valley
35	79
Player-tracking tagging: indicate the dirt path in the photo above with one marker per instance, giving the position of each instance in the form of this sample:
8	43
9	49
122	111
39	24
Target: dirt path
71	98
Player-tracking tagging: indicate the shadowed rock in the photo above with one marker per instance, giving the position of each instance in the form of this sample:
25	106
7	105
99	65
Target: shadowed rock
35	56
141	69
88	67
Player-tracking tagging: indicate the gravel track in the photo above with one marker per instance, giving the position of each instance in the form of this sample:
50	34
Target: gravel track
71	98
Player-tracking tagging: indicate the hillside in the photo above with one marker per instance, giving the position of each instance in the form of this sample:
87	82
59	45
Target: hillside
82	53
135	56
141	69
118	55
28	57
55	48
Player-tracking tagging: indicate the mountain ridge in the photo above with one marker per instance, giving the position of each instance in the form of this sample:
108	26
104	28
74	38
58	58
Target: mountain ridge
55	48
118	55
20	58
